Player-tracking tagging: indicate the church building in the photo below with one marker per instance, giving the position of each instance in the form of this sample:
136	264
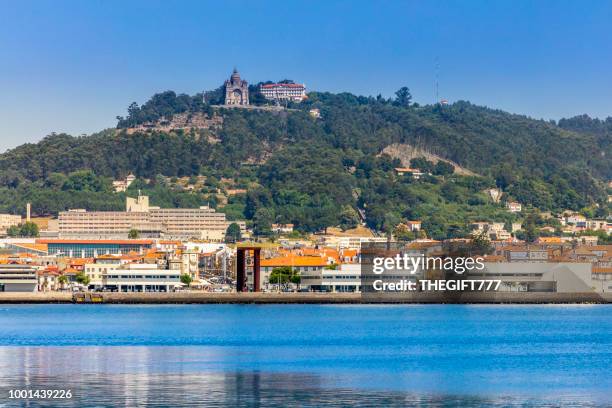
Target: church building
236	90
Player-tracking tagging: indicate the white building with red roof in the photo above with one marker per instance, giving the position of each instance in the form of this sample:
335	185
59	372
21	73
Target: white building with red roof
283	91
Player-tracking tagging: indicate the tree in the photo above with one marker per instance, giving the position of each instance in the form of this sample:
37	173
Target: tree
481	244
13	231
443	168
262	221
390	222
133	234
62	280
403	97
27	229
284	274
530	229
233	234
82	278
349	218
402	233
422	164
186	279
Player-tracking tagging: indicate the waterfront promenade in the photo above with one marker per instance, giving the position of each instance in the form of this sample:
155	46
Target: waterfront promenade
305	298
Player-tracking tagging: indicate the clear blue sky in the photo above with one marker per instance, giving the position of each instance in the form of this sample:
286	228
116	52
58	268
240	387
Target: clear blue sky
73	66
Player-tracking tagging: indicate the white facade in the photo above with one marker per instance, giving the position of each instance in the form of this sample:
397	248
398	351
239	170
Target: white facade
18	278
513	206
142	278
565	277
293	92
151	222
9	220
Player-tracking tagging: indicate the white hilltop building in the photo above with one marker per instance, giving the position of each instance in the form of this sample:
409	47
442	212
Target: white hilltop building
122	185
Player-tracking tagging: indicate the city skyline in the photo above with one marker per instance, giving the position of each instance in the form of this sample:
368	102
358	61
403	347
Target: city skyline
74	69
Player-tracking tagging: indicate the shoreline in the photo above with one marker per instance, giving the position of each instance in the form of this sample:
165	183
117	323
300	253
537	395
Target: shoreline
306	298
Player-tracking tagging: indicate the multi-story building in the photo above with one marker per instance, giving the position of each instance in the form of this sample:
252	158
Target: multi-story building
8	220
344	278
292	92
105	224
304	265
201	223
93	248
136	277
18	278
494	230
100	268
150	222
530	276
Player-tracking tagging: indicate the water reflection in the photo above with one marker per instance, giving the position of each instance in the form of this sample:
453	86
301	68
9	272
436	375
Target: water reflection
188	376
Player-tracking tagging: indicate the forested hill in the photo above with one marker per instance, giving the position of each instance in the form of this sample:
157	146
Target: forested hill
316	172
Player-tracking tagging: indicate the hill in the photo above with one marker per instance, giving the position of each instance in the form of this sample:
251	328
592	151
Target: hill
317	173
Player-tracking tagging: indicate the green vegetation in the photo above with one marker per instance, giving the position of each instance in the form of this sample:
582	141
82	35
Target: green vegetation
284	274
27	229
317	173
233	235
186	279
133	234
82	278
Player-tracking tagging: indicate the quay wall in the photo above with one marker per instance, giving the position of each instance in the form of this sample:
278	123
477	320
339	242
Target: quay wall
306	298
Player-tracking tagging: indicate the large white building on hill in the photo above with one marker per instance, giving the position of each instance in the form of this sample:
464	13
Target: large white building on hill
150	222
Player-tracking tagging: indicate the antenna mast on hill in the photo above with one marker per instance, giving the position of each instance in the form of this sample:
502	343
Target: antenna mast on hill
437	74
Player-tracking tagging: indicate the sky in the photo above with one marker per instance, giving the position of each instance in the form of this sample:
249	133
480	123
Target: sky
73	66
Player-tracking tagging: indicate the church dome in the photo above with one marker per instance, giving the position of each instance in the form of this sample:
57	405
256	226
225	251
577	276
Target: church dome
235	76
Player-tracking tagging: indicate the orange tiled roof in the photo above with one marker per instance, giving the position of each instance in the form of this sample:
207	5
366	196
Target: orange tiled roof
349	253
550	240
35	246
294	260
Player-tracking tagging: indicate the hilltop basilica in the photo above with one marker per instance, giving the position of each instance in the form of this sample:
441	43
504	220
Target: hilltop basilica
236	90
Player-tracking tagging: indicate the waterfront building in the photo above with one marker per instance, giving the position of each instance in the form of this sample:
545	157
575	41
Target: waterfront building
18	278
48	279
304	265
121	274
101	266
529	276
135	277
344	278
75	248
602	278
283	91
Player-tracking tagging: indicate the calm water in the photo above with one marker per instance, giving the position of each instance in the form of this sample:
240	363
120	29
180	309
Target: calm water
283	355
